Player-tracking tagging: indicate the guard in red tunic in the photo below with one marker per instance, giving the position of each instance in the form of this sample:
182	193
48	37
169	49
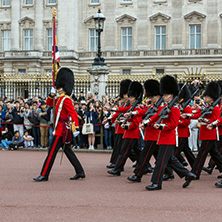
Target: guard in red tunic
119	131
151	134
167	137
183	132
62	133
207	136
131	134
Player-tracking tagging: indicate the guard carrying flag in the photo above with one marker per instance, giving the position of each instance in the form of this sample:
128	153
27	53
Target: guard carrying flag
64	109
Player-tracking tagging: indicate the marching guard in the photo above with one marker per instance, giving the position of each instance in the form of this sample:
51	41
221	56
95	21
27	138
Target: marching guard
167	135
208	137
64	109
131	134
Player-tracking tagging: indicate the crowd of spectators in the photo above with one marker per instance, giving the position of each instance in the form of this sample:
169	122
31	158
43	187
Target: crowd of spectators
28	123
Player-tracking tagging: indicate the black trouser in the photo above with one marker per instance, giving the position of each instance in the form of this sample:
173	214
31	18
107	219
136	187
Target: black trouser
166	156
211	163
126	150
143	163
53	149
183	146
117	147
207	146
17	145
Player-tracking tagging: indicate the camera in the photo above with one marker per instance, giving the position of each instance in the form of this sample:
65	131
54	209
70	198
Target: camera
197	101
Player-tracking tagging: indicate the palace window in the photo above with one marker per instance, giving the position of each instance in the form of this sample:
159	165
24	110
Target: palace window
93	40
28	2
21	71
127	1
126	37
195	36
49	39
28	39
51	2
6	3
94	1
6	40
126	71
160	38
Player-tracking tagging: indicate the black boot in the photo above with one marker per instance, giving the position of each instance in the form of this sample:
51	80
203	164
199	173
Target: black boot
112	165
185	163
209	170
219	177
78	176
188	179
148	170
219	184
40	178
154	187
167	177
134	178
114	172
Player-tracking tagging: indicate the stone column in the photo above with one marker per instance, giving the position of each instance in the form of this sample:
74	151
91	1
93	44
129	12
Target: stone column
38	34
98	80
15	37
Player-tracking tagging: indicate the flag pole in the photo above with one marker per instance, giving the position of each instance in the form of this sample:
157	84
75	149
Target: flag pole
53	60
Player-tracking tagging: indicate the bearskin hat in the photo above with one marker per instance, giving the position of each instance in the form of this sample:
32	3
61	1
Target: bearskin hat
220	84
136	90
168	85
185	93
65	80
124	86
152	87
213	90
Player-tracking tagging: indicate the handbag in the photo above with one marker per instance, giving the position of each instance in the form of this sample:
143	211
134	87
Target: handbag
87	128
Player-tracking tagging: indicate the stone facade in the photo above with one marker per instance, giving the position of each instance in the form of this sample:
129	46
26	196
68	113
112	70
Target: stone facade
75	18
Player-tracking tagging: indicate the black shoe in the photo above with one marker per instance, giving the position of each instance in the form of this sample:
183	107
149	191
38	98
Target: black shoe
114	172
219	177
148	170
154	187
209	170
40	178
185	163
167	177
112	165
134	178
219	184
188	179
78	176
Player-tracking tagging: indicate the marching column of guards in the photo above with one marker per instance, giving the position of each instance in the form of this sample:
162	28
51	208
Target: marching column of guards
165	117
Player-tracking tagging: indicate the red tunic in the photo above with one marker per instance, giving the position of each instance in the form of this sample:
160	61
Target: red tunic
118	129
133	131
151	133
67	110
206	134
167	136
183	129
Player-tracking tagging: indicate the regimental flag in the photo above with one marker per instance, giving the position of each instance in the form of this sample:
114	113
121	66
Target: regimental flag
55	51
55	58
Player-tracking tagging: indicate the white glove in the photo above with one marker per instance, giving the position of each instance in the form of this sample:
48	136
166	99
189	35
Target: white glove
53	90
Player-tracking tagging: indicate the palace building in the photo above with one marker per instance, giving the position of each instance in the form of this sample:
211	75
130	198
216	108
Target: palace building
141	38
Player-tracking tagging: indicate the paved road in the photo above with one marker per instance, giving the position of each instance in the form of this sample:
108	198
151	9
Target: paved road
99	197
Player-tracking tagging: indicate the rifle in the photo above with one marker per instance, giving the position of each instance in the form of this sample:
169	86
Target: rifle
188	101
166	110
209	109
121	114
131	109
153	110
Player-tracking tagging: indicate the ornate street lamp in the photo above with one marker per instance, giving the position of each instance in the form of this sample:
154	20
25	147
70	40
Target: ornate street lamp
99	19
